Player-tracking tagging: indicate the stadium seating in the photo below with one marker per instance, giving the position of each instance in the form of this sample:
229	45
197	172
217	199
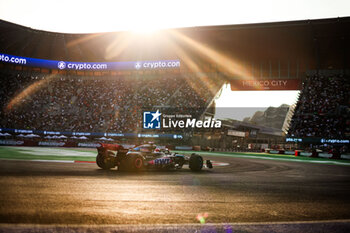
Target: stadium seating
96	104
323	108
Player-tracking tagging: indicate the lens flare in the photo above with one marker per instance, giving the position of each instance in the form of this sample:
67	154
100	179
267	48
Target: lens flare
227	64
119	45
17	100
201	217
196	69
82	39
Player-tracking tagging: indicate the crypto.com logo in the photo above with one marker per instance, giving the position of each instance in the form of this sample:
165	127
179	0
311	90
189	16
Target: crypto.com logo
61	65
137	65
151	120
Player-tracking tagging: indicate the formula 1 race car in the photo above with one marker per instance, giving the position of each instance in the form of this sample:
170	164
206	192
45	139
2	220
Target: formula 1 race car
146	156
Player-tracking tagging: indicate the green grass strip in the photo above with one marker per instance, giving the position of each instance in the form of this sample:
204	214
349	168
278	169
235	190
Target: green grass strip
14	153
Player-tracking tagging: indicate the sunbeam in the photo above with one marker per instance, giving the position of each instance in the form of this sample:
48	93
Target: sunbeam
17	100
227	64
118	46
82	39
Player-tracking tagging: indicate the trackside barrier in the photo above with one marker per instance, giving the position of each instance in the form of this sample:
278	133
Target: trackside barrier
329	156
11	143
289	152
183	147
47	143
89	145
307	154
56	144
275	151
324	155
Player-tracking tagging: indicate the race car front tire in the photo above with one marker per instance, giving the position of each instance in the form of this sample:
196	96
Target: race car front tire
196	162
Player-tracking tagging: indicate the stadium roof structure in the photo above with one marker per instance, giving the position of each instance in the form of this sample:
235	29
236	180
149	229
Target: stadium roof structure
306	44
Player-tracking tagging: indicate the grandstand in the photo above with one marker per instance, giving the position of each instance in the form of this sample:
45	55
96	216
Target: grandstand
98	105
110	102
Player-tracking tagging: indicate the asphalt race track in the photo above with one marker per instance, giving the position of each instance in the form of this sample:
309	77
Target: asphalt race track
245	196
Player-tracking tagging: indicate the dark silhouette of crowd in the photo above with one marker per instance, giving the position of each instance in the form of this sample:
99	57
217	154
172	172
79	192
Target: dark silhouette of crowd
322	109
96	104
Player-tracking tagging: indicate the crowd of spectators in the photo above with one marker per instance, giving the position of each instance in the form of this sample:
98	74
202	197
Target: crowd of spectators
322	109
96	104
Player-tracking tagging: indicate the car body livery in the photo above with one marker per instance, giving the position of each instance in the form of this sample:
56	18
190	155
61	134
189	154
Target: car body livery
146	156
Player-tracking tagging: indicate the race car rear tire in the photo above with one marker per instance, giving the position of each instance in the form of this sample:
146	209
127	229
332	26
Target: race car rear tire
98	160
196	162
132	163
103	162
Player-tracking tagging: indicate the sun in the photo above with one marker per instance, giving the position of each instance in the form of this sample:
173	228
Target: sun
144	30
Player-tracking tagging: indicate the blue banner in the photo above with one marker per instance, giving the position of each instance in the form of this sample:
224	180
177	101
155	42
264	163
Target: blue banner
92	66
93	134
318	140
